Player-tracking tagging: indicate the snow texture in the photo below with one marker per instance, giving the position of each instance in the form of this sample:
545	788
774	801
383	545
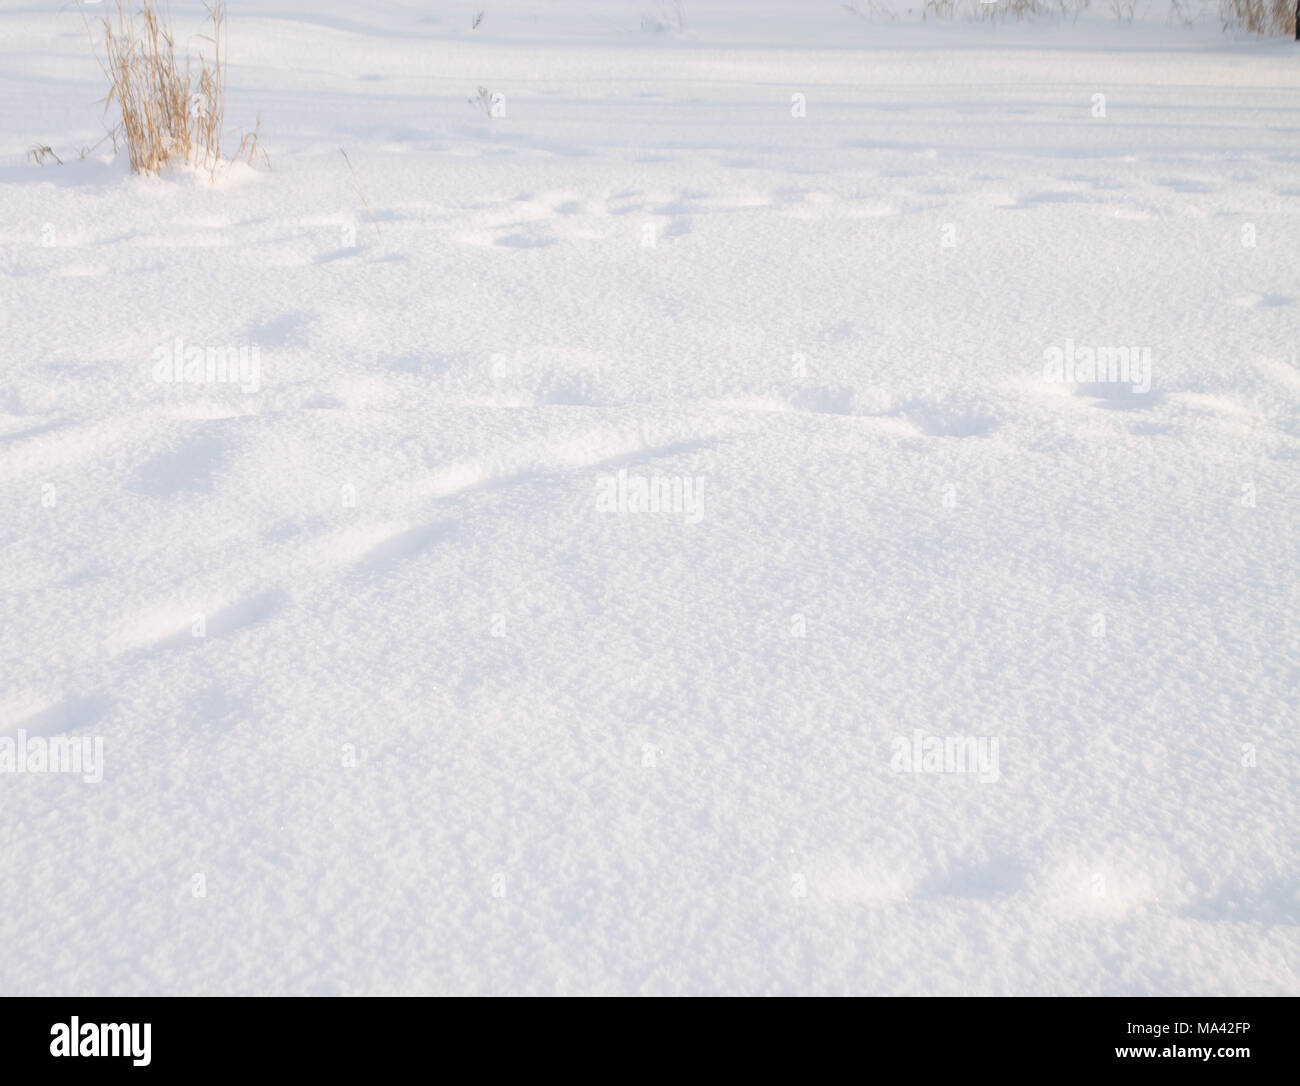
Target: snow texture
678	546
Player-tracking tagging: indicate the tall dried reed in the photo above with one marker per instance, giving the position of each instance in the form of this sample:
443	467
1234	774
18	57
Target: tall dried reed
172	109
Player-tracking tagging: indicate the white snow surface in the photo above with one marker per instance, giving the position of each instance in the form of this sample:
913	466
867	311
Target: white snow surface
453	725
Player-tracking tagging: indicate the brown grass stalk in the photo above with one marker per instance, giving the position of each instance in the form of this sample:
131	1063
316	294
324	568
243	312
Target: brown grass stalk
172	108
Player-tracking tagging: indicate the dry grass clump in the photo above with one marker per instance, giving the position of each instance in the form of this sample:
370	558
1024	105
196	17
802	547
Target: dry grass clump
1270	17
1006	10
171	109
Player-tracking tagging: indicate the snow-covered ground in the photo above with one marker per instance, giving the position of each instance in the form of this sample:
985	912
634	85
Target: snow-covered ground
462	719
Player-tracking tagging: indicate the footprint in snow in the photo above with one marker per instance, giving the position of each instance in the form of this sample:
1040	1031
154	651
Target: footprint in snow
1262	301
